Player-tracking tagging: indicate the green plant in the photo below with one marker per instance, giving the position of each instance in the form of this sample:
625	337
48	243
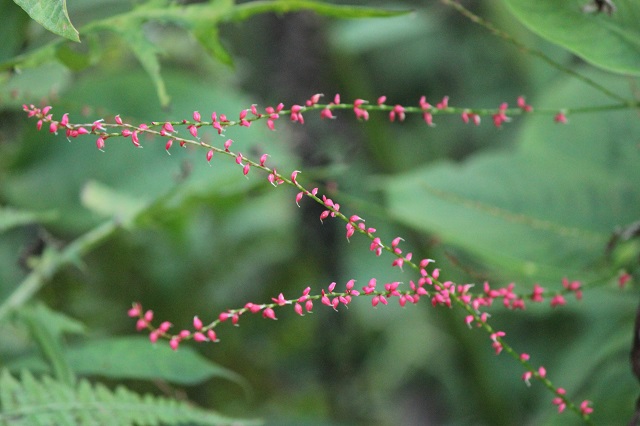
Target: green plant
544	212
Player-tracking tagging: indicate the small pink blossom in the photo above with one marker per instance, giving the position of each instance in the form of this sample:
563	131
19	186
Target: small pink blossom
164	326
585	409
281	301
136	310
623	279
212	336
542	372
560	118
199	337
174	343
197	323
558	300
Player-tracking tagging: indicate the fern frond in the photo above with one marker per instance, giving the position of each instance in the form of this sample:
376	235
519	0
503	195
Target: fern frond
45	401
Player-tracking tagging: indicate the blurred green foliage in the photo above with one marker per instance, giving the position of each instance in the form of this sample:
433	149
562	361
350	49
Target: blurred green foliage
203	239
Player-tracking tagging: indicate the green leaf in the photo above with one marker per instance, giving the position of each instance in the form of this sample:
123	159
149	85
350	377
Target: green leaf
147	54
246	10
137	358
109	202
207	36
51	14
31	401
11	218
611	42
544	211
46	327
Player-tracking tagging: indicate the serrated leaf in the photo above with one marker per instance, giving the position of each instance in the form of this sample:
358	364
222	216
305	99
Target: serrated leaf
11	218
545	211
32	401
611	42
51	14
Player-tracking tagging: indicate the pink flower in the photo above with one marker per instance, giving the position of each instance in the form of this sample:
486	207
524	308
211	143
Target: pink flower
212	336
585	409
558	300
542	372
168	127
135	311
199	337
281	301
174	343
522	104
560	118
537	293
269	313
197	323
623	279
397	111
326	113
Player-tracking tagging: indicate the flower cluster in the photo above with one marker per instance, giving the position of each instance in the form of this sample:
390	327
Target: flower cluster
427	285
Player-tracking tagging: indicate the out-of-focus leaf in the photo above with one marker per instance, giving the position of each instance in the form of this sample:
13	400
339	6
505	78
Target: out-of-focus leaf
76	60
10	218
13	29
104	200
51	14
245	10
47	327
208	37
544	211
611	41
137	358
147	54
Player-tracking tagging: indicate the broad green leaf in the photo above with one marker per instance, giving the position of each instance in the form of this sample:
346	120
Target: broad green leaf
137	358
611	42
544	211
11	218
51	14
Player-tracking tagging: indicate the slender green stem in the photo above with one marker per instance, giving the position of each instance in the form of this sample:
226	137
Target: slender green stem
52	261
